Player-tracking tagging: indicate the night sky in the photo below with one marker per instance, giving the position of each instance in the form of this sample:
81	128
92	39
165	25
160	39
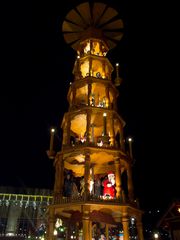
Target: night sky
36	68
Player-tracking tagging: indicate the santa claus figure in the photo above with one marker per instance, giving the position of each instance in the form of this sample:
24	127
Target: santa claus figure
109	186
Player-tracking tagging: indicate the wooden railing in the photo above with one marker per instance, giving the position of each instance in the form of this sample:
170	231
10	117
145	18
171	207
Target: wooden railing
92	199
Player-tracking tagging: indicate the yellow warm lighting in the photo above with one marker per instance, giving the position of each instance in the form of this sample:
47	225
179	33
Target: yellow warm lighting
129	139
91	185
96	48
107	104
179	209
82	91
104	114
52	130
80	158
87	48
85	68
55	232
58	223
78	124
97	68
156	235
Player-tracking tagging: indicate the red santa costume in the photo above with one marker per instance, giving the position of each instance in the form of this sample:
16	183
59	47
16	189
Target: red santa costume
109	186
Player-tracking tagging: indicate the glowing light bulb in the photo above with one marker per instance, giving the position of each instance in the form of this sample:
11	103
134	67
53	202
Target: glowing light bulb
156	235
52	130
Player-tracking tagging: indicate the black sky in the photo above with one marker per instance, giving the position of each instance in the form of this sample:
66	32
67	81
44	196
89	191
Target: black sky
36	71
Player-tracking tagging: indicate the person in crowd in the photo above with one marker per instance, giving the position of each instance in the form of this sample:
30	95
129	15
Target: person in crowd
68	185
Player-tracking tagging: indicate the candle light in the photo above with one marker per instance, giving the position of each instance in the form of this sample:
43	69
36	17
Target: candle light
118	79
130	146
104	121
52	139
156	235
117	70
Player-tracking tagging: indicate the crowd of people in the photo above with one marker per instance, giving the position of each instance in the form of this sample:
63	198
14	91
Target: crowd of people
100	186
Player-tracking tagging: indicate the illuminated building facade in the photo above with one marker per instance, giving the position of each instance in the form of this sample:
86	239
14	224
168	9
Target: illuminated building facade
23	214
93	190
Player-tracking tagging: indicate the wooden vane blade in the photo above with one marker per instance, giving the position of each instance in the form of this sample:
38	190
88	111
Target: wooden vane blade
118	24
70	27
84	11
71	37
97	11
74	17
108	15
114	35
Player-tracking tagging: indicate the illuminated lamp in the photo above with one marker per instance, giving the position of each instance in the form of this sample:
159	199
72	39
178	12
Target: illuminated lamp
156	235
118	80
